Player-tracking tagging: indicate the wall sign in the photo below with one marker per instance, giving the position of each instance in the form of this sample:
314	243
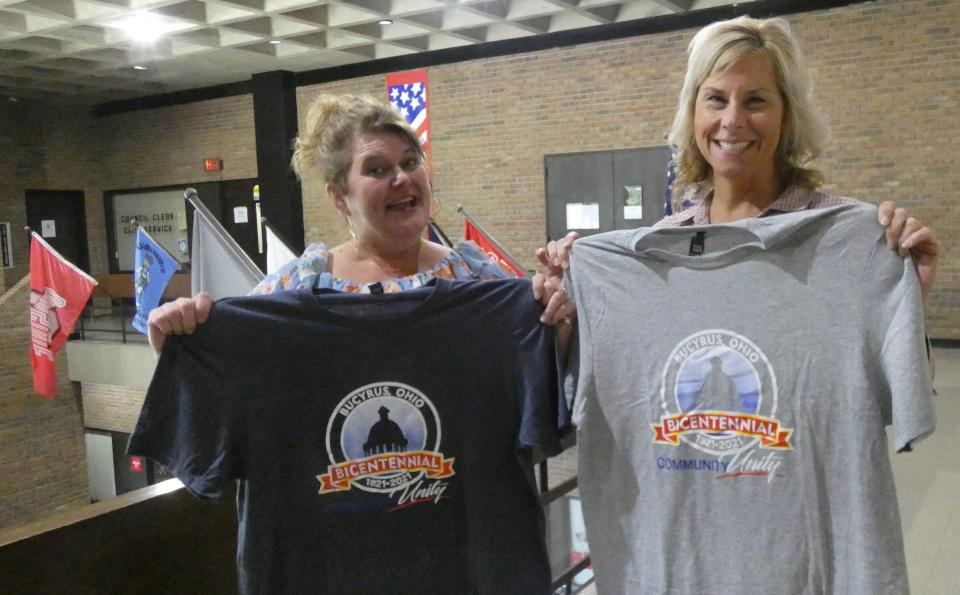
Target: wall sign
161	213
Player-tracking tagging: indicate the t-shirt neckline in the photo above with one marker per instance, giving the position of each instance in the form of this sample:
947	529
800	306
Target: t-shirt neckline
429	297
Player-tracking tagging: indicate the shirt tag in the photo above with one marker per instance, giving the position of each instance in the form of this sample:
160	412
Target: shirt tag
696	244
376	288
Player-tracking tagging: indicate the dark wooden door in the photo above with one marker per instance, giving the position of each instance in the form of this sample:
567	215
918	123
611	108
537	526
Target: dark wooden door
238	214
59	216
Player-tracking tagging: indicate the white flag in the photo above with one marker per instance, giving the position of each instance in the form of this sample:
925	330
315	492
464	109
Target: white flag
278	253
217	263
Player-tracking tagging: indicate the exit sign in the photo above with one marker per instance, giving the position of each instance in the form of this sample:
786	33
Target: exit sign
212	165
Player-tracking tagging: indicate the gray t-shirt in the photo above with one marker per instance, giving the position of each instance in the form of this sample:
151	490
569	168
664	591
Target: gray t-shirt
732	405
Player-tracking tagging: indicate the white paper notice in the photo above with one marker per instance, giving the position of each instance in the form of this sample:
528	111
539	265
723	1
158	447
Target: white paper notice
239	214
633	209
48	228
583	215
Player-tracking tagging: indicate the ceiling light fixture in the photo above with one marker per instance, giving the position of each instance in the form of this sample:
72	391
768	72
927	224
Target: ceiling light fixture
385	22
139	67
274	42
144	27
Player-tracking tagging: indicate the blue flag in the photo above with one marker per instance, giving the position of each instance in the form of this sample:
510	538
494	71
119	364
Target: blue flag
152	269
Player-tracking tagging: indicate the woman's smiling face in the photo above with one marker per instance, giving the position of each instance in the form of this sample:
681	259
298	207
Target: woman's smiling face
737	121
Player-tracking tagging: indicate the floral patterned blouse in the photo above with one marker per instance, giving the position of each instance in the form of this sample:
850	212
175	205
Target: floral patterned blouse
310	271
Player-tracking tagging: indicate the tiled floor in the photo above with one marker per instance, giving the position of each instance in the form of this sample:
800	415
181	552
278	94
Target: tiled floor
928	486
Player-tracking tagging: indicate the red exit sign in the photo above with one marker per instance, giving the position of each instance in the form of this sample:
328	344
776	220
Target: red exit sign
212	165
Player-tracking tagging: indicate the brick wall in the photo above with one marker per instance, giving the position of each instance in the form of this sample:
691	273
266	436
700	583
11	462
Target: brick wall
110	407
886	77
43	466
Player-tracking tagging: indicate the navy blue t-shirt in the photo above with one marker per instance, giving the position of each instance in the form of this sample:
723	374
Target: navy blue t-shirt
381	442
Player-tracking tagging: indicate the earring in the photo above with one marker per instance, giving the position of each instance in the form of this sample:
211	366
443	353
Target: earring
434	206
353	234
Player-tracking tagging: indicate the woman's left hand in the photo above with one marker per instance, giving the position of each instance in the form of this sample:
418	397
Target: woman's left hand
906	235
558	305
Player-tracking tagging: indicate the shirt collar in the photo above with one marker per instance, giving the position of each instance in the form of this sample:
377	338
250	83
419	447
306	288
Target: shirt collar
794	198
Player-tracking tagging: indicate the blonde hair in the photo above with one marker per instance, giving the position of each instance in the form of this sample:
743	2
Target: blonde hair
333	123
714	49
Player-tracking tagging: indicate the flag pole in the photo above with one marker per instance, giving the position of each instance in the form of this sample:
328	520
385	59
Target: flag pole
191	195
499	246
433	225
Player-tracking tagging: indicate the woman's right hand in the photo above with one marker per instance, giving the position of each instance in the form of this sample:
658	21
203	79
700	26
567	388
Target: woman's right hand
179	317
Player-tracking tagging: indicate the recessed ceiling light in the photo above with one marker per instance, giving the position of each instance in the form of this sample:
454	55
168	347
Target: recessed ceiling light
143	27
385	22
274	42
139	67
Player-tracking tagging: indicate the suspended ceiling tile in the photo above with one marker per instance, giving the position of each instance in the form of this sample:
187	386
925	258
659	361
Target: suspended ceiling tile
285	5
389	50
501	31
107	55
208	37
84	33
316	40
571	20
532	8
535	25
71	64
411	6
37	44
231	38
257	5
94	10
642	9
12	21
343	14
192	10
222	13
283	27
17	55
430	20
179	47
492	9
442	41
261	27
338	38
37	23
459	18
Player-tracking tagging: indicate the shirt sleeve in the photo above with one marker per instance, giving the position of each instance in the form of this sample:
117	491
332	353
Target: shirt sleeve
542	414
893	328
479	263
191	419
578	377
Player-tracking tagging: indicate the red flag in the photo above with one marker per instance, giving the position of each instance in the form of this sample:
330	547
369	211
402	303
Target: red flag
490	247
58	293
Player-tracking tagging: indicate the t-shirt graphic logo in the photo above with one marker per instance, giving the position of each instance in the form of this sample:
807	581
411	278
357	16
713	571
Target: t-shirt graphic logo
718	393
384	437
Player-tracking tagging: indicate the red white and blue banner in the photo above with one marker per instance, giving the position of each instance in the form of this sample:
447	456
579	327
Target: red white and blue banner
407	91
58	293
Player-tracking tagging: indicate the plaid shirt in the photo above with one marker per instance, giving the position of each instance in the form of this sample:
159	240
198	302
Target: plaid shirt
794	198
